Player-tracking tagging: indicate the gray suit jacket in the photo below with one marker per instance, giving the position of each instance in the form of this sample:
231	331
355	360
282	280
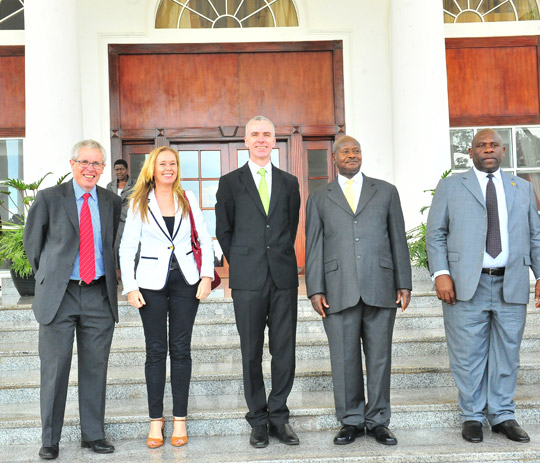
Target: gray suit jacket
457	228
356	255
51	241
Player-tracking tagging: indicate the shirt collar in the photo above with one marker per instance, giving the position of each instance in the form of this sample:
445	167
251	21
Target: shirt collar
256	167
356	179
482	176
79	191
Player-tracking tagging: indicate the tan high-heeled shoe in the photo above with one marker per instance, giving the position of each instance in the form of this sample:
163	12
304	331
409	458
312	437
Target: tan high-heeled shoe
155	442
179	441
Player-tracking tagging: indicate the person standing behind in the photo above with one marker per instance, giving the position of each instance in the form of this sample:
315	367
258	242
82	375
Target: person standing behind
69	241
166	282
256	222
483	234
357	271
122	187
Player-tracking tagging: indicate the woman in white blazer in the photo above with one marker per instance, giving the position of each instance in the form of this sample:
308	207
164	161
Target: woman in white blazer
166	282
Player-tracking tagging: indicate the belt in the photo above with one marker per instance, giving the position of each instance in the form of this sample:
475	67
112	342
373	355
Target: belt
494	272
92	283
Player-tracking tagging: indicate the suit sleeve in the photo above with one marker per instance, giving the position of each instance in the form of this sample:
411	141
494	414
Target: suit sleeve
398	240
224	216
314	250
437	230
37	224
534	225
294	208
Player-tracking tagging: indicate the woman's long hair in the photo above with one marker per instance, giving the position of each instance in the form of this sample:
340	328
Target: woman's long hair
146	183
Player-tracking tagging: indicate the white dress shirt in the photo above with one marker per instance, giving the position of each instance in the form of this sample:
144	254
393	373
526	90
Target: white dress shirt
254	168
358	180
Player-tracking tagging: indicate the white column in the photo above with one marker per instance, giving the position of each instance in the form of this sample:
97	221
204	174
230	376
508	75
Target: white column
53	89
421	146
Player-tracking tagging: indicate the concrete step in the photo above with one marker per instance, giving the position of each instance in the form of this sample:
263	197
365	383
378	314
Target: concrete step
210	379
224	414
435	445
128	346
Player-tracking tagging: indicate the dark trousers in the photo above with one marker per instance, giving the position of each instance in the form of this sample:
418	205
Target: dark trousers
85	311
254	310
368	327
177	301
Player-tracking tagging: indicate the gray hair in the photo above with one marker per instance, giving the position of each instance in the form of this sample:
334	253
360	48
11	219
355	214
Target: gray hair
342	140
261	118
88	144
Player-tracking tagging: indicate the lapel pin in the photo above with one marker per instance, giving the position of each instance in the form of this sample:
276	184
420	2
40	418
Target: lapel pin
513	184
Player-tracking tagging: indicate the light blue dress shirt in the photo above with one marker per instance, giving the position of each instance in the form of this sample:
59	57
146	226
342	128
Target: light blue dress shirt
96	226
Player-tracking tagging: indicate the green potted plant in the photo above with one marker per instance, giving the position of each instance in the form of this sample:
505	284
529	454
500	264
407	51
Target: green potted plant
416	237
11	237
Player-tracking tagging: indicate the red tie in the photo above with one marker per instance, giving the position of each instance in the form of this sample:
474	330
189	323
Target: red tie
87	265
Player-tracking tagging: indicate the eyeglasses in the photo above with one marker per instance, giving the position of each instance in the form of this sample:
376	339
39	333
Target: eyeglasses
86	164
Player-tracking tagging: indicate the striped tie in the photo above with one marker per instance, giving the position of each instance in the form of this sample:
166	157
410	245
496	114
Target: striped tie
87	264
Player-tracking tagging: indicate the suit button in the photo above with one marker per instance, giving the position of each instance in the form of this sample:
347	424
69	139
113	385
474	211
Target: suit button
356	221
357	239
267	247
267	226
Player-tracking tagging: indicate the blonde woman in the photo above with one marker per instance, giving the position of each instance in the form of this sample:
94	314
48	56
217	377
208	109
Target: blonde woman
166	282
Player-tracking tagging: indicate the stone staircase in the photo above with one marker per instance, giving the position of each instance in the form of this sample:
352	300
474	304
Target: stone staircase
425	415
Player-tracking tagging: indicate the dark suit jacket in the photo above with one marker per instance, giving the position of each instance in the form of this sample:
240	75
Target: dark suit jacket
356	255
51	241
252	242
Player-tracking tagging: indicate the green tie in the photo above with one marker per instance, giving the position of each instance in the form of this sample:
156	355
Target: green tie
263	190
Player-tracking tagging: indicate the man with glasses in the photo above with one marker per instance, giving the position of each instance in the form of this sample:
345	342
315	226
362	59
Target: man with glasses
69	240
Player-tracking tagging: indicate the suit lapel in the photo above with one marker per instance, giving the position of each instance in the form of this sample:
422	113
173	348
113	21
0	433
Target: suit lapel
104	214
247	180
277	186
470	181
335	194
368	190
509	191
70	203
156	211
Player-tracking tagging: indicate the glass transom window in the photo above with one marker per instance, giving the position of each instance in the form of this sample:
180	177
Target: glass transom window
209	14
470	11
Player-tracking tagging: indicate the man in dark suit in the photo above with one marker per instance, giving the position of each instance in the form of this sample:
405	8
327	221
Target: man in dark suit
69	240
357	271
483	235
256	222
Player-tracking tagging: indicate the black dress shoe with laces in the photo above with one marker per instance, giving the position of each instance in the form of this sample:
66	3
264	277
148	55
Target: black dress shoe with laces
472	431
259	437
382	435
512	430
348	433
284	433
49	453
98	446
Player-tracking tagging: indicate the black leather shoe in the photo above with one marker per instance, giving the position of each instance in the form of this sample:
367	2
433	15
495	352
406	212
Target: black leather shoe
512	430
472	431
348	433
259	437
98	446
49	453
284	433
382	435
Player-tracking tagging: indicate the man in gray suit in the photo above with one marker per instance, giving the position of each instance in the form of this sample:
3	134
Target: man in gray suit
357	272
69	240
483	234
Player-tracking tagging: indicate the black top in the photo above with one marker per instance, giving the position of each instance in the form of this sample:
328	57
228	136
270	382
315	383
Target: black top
169	221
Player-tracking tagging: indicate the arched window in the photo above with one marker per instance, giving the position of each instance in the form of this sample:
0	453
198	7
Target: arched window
470	11
11	14
200	14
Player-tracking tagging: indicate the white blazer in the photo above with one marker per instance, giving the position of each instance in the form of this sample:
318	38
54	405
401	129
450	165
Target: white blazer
157	246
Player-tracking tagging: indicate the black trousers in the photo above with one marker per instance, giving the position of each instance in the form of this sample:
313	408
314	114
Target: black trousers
177	302
254	310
